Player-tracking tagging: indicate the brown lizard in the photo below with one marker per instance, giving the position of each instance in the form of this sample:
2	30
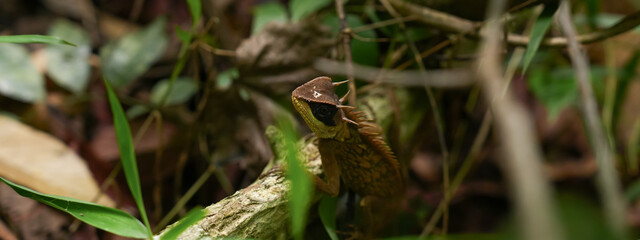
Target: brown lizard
352	148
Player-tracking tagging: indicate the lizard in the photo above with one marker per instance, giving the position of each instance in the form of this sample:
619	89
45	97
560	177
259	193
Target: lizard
352	148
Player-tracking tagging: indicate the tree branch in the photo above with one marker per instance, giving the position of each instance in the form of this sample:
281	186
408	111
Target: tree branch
451	23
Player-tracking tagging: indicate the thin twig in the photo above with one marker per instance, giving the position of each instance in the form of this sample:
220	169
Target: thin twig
157	167
186	197
439	78
383	24
216	51
522	158
451	23
607	177
346	47
425	54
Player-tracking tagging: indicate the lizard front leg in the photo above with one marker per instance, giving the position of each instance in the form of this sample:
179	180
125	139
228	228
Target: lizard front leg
331	170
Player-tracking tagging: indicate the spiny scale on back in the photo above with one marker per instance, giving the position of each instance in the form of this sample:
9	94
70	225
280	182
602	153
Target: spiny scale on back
366	163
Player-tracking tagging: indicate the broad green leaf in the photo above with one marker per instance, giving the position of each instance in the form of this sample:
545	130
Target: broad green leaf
130	56
225	78
69	66
301	186
127	153
19	78
267	12
554	90
109	219
327	212
302	8
538	32
557	89
191	218
363	52
182	90
195	7
34	39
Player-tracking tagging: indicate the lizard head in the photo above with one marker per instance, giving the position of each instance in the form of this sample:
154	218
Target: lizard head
320	107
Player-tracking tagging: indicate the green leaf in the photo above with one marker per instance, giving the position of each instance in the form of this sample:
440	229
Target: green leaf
555	90
184	36
225	78
34	39
191	218
69	66
195	7
302	8
267	12
327	212
538	32
127	153
136	111
109	219
19	78
130	56
363	52
183	89
301	187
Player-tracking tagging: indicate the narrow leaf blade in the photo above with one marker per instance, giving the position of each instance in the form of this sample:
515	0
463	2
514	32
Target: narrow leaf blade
192	217
195	7
301	186
34	39
127	154
540	28
327	212
105	218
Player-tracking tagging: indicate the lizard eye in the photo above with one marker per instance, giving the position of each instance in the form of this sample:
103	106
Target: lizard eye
323	112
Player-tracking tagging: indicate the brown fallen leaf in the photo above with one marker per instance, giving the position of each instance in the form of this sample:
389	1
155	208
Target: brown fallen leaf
41	162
